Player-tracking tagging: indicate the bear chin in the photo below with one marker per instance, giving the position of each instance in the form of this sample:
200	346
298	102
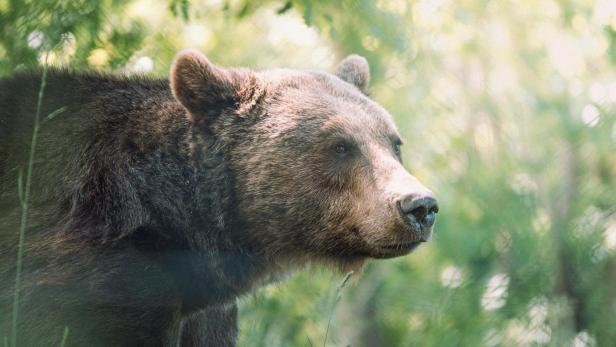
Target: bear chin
396	250
356	264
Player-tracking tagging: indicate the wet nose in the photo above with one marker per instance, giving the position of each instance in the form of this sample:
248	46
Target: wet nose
419	210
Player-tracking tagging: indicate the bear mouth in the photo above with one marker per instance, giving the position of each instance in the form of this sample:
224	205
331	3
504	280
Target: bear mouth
398	249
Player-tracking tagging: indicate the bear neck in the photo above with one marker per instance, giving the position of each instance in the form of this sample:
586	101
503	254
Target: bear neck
211	263
189	222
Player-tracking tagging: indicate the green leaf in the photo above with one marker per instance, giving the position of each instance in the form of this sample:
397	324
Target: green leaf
173	9
185	6
285	8
611	34
244	10
180	8
308	14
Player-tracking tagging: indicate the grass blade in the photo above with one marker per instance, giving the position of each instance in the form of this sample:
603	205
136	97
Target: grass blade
337	297
20	187
53	114
64	336
24	206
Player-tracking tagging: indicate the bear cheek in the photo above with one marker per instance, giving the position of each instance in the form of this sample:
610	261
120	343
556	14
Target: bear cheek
356	219
378	225
375	222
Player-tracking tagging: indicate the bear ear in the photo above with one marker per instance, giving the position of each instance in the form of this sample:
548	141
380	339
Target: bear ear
205	89
354	69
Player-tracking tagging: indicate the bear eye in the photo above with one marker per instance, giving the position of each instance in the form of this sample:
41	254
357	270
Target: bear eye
397	149
341	148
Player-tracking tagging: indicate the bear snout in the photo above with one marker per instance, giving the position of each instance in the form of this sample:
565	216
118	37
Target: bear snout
419	212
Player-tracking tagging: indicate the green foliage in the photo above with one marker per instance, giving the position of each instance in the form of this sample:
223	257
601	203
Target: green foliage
180	7
508	111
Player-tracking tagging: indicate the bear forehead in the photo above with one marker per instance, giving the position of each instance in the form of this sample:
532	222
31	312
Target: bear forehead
325	103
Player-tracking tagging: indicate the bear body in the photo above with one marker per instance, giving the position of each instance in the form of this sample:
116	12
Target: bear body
154	205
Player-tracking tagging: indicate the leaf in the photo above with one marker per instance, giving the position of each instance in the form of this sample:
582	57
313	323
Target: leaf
308	14
285	8
185	6
173	9
244	10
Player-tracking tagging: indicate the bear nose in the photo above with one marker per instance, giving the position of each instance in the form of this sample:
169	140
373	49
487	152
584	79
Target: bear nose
419	210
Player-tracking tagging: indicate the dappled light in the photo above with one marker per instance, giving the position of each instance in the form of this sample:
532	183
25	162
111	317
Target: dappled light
507	110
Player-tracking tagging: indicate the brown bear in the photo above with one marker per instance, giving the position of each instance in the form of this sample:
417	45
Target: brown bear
154	205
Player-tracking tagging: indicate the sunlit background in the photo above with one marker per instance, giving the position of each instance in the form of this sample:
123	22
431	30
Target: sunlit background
508	112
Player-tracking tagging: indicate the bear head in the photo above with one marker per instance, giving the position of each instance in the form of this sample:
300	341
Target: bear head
316	164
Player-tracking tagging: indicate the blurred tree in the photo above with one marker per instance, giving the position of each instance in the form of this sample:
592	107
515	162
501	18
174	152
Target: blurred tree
508	110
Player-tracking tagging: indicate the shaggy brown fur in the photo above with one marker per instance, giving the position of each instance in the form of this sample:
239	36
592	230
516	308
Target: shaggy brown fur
155	205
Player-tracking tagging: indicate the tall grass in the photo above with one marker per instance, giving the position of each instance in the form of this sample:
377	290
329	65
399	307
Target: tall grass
24	201
64	336
337	297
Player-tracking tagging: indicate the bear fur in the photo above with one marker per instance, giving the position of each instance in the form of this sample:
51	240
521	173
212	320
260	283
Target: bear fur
155	204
